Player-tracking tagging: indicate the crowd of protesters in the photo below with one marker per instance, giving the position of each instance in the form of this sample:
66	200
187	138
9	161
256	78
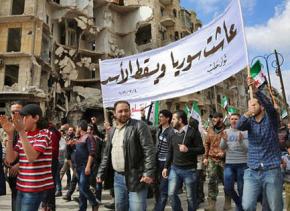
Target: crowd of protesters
135	160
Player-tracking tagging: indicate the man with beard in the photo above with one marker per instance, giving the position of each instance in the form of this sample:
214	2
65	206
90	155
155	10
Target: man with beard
214	158
131	153
264	155
184	146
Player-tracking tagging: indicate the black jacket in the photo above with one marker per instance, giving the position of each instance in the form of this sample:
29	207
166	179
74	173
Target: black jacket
185	160
139	154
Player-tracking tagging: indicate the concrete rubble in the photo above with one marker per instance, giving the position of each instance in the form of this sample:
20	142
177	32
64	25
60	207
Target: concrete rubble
55	55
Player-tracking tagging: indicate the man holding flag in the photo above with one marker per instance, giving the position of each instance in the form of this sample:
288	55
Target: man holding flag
264	156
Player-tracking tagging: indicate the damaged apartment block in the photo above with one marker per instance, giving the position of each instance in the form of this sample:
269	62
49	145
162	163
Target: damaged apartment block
50	49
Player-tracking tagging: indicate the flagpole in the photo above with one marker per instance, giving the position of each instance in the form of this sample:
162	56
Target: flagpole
186	130
250	87
106	116
246	49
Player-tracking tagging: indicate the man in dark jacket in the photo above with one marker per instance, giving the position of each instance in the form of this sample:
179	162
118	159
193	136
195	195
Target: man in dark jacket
84	158
164	132
131	152
185	145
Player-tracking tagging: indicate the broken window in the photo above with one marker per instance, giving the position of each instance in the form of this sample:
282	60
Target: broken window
17	7
45	48
62	33
71	33
93	73
47	19
176	36
71	38
161	11
174	13
218	98
11	74
163	37
143	35
14	39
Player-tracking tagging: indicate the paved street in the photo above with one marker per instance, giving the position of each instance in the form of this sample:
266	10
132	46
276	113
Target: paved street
69	206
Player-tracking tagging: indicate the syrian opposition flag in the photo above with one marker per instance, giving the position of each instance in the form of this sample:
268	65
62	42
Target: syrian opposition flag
257	74
232	110
195	112
224	102
156	113
284	113
187	110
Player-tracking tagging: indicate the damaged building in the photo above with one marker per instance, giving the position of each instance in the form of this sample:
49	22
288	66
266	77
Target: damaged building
50	50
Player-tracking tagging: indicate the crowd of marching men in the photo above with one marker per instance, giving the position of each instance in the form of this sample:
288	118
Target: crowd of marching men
136	160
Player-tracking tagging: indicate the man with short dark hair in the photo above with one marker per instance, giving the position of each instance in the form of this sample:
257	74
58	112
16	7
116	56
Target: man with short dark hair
264	155
131	153
84	157
235	143
184	146
164	133
34	149
96	130
214	159
13	168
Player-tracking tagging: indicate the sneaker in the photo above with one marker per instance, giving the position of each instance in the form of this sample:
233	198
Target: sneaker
110	206
76	199
66	198
58	193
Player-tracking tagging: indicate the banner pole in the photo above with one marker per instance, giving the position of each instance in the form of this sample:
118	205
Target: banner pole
106	117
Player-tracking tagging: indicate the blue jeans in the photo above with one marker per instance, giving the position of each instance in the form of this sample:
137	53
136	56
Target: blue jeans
269	181
162	192
232	173
125	200
84	188
58	179
177	176
29	201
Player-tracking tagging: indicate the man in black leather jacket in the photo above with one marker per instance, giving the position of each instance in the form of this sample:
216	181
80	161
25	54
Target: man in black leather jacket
131	153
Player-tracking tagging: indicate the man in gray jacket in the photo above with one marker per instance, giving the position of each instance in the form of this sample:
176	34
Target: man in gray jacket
130	151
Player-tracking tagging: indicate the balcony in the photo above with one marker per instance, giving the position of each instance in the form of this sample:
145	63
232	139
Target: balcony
145	47
165	2
167	20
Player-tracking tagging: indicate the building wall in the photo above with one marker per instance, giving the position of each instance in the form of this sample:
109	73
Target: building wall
113	34
24	77
28	29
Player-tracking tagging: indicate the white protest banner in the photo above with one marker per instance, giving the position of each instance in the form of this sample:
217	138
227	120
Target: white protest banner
196	62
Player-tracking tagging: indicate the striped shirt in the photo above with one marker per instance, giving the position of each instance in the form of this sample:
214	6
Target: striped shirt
35	176
162	142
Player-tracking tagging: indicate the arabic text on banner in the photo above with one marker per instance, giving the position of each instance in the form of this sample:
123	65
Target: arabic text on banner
196	62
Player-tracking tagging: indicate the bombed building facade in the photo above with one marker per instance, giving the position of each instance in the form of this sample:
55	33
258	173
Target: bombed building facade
50	50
